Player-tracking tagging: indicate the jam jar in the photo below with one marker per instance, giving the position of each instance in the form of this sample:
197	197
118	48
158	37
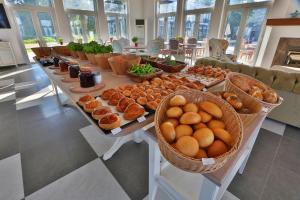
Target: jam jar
74	71
56	61
86	79
63	66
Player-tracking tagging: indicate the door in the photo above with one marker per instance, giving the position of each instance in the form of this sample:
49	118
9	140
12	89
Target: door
190	21
83	27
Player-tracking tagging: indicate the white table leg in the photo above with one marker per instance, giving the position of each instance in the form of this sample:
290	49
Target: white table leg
209	190
137	137
154	167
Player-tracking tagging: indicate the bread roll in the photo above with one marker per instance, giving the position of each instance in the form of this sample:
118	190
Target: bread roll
168	131
199	125
235	102
205	117
270	96
211	108
188	146
109	121
190	118
204	136
216	149
190	107
228	94
177	100
174	112
216	124
223	135
201	154
175	122
183	130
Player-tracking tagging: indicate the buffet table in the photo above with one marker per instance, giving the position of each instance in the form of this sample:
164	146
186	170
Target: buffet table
214	185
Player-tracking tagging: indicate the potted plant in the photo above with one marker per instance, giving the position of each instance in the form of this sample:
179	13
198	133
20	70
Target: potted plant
180	39
72	47
103	52
90	50
60	41
135	41
79	51
170	65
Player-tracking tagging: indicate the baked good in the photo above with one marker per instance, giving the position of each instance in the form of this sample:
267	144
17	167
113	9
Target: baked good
152	105
201	154
216	124
241	83
133	111
101	112
92	105
245	111
157	80
126	93
235	102
174	112
257	94
82	100
177	100
204	136
187	145
142	100
190	107
123	103
211	108
190	118
216	149
223	135
109	122
183	130
270	96
199	125
115	98
107	94
205	117
168	131
228	94
150	97
173	121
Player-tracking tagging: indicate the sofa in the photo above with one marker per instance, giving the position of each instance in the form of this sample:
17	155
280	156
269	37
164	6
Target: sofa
287	84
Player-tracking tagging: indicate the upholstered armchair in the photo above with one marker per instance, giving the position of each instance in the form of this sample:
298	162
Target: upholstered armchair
217	49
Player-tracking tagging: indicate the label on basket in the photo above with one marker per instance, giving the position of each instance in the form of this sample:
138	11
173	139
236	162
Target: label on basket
116	131
204	90
141	119
208	161
264	109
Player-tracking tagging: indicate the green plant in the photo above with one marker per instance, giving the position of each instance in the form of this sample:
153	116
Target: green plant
90	47
179	38
135	39
100	49
60	40
142	69
73	46
170	61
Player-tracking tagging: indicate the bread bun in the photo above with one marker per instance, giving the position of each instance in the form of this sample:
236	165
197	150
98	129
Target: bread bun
190	118
199	125
216	124
204	136
235	102
216	149
175	122
183	130
228	94
257	93
177	100
205	117
190	107
201	154
101	112
241	83
211	108
92	105
188	146
270	96
109	122
82	100
168	131
223	135
174	112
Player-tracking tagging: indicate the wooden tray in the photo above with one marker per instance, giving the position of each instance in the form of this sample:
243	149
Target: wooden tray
95	88
68	79
207	81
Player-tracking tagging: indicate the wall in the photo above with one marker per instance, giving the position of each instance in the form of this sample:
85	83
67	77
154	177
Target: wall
135	11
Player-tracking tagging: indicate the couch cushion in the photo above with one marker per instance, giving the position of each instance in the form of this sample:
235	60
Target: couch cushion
284	81
264	75
232	67
220	64
297	84
245	69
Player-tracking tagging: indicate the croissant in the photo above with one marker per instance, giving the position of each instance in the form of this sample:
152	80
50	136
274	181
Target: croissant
115	98
101	112
107	94
123	103
133	111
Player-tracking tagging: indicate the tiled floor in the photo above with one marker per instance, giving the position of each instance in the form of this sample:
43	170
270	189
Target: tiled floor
51	152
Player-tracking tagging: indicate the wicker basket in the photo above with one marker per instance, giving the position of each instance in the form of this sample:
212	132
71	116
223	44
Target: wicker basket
230	118
171	69
102	60
62	50
229	86
141	78
254	106
120	64
91	58
81	55
41	51
74	54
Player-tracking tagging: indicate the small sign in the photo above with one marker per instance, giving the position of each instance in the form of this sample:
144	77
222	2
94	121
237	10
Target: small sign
208	161
264	109
204	90
98	98
116	131
141	119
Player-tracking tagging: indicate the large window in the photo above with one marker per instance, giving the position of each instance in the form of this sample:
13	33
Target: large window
233	2
79	5
166	11
31	2
116	15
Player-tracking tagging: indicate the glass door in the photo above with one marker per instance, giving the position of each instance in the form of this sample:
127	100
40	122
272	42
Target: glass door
170	27
161	27
112	26
190	25
47	28
83	27
122	25
204	24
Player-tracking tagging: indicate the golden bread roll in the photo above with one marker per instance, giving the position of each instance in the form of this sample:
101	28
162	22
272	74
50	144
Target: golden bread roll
190	107
204	136
168	131
211	108
199	125
183	130
177	100
241	83
205	117
270	96
190	118
201	154
187	145
223	135
228	94
216	124
175	122
174	145
235	102
216	149
174	112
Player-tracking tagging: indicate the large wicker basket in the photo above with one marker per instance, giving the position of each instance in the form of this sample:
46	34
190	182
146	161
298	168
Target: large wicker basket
229	86
120	64
74	54
230	118
171	69
91	58
141	78
81	55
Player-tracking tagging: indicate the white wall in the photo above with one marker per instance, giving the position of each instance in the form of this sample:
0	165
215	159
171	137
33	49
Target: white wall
135	11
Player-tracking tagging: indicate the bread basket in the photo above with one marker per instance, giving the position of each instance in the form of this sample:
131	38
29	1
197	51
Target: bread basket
140	78
229	86
230	118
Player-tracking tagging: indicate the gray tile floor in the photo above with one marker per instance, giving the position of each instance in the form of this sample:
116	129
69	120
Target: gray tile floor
51	148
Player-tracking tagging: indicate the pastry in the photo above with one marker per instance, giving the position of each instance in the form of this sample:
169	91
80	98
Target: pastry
142	100
126	93
245	111
187	145
152	105
241	83
190	118
201	154
109	122
107	94
150	97
257	94
177	100
182	87
123	103
173	121
115	98
211	108
204	136
216	149
270	96
101	112
235	102
199	125
84	99
133	111
223	135
168	131
205	117
92	105
228	94
183	130
174	112
216	124
190	107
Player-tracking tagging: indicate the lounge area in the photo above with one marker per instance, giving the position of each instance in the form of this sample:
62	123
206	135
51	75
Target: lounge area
149	99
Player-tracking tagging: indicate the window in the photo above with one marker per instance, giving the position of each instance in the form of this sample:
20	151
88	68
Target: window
47	27
198	4
31	2
233	2
79	5
189	25
167	6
